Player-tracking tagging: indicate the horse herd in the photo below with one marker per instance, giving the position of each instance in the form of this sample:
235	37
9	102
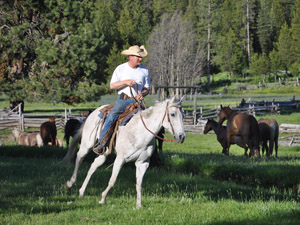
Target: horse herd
245	131
46	136
134	143
242	129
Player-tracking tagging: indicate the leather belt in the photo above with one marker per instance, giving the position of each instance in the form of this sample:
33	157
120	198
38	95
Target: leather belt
124	96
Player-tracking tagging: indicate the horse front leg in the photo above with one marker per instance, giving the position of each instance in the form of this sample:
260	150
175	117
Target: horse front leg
97	162
118	163
141	168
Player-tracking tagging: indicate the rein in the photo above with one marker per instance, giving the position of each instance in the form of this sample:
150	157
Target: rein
166	113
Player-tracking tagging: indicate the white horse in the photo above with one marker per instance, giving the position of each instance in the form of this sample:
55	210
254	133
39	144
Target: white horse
133	143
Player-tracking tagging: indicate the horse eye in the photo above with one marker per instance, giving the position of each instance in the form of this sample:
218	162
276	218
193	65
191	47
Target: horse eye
172	114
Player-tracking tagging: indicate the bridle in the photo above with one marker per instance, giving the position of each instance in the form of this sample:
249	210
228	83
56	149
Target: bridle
166	114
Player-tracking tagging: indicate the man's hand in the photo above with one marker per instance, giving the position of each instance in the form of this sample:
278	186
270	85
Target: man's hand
139	97
129	83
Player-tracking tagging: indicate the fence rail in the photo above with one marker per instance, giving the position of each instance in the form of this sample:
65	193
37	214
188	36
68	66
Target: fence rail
194	122
10	119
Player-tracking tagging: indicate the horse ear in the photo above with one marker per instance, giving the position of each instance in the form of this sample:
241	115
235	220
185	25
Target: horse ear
182	98
221	106
173	99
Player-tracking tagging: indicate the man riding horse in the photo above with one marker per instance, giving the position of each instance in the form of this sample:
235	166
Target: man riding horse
125	76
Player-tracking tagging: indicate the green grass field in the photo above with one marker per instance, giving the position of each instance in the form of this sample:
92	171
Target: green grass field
197	185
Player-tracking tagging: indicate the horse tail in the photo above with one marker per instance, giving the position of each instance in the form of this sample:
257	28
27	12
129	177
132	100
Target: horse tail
73	147
273	134
39	140
254	131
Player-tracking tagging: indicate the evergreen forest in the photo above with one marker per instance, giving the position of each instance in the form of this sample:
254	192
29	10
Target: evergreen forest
66	50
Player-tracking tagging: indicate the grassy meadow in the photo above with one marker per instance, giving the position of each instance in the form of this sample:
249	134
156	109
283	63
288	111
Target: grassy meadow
196	185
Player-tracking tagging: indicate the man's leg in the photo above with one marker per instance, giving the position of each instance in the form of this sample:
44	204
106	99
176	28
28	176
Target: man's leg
119	108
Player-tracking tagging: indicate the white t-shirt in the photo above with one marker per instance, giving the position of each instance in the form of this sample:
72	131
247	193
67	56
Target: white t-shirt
124	72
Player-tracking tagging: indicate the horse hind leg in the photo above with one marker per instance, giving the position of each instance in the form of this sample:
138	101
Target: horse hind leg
276	146
97	162
83	151
118	163
67	138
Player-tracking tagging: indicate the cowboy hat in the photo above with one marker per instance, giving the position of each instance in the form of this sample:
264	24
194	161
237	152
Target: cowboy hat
136	50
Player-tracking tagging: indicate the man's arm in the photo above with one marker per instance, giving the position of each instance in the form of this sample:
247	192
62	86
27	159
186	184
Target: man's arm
121	84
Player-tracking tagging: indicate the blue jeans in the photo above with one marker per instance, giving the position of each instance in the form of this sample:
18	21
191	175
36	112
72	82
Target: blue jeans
118	109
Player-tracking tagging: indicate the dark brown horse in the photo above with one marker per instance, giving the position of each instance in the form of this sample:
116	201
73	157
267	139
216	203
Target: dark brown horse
221	132
269	131
48	132
243	125
71	128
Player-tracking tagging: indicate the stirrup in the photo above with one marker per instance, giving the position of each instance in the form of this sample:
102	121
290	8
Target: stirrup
98	148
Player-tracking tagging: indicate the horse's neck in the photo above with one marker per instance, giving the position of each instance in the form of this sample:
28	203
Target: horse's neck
152	119
232	114
217	129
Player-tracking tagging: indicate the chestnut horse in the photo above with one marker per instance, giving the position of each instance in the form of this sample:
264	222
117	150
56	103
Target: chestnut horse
243	125
269	131
221	132
48	132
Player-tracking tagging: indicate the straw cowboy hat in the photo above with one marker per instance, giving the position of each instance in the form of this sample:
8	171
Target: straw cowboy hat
136	50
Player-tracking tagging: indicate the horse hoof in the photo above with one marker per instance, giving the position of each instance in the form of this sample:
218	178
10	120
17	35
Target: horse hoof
139	207
102	202
81	194
68	185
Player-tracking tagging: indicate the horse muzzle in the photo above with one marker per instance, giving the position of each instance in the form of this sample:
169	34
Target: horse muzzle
180	138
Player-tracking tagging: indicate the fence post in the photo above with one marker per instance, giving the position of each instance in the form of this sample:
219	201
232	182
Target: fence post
66	116
195	107
21	117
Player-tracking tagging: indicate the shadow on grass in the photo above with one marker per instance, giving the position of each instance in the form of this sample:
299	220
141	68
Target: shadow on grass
33	181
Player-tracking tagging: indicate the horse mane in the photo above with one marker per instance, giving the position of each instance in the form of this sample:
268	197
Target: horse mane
146	113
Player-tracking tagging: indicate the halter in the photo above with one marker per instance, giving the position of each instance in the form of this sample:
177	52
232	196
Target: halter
166	113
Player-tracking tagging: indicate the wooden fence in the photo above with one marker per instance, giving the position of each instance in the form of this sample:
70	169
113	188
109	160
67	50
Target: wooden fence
10	119
194	122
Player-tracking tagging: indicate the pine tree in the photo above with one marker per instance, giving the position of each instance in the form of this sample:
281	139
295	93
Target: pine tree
284	48
265	27
295	33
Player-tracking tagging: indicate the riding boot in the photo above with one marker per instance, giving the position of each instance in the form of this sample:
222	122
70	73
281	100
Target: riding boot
99	147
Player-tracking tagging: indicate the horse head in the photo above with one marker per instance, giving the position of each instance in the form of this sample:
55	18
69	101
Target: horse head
207	127
16	133
173	119
224	114
52	119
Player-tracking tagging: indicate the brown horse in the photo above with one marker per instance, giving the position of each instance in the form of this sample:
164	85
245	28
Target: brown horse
27	139
243	125
221	132
48	132
269	131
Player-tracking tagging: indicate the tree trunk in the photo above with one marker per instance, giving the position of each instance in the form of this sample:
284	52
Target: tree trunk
248	33
208	44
